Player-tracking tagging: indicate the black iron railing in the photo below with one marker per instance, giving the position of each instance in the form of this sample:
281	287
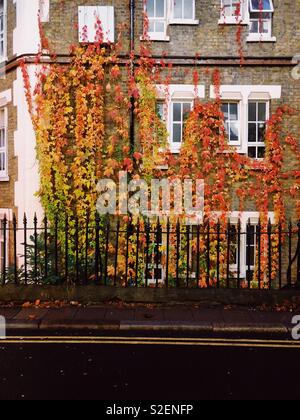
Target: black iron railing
144	254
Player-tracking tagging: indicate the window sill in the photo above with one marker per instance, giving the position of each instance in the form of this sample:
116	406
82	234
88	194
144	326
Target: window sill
260	38
184	22
156	38
4	178
233	21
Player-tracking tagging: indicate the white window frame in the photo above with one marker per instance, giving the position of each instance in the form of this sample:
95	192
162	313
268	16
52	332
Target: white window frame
234	20
8	214
159	36
245	94
252	10
182	20
239	142
261	37
258	144
176	146
177	93
3	57
4	149
261	34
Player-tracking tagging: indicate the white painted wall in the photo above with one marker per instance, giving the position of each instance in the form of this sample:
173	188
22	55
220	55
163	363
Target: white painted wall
25	41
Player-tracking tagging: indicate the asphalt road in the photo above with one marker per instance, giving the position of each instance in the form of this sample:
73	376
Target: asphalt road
79	369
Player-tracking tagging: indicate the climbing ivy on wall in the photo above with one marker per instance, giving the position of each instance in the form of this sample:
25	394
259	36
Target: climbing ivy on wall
80	116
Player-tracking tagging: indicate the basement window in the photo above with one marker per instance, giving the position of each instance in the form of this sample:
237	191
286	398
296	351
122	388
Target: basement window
243	252
243	255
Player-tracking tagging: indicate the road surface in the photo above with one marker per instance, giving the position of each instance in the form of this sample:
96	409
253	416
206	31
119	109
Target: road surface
164	369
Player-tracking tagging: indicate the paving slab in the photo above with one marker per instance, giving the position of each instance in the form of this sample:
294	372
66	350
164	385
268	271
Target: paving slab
207	315
9	313
229	317
120	314
270	317
90	314
149	314
179	314
31	314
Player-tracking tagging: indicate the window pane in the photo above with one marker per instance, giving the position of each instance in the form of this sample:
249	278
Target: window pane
177	133
250	235
2	138
235	7
261	5
186	110
252	133
160	110
262	112
178	9
227	7
264	27
250	260
2	161
254	27
234	112
150	8
151	26
160	27
261	153
233	245
252	152
261	132
160	8
252	112
234	132
177	112
188	9
227	128
225	111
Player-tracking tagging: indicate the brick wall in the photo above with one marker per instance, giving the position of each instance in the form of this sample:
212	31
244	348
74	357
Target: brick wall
208	38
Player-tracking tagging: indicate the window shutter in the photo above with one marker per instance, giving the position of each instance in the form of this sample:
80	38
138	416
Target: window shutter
87	18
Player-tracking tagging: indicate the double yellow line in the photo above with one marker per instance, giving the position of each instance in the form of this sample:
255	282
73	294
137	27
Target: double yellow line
154	341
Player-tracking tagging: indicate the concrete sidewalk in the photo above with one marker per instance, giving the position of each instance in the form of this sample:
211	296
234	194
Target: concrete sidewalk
187	319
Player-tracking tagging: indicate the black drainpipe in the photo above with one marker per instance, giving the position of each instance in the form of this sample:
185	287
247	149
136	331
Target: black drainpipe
132	100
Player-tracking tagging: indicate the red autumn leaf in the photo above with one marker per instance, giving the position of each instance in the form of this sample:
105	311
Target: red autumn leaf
138	156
